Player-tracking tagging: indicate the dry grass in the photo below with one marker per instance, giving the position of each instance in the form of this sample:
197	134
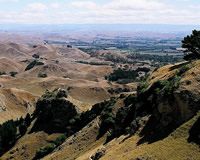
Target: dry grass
80	145
174	147
26	147
15	103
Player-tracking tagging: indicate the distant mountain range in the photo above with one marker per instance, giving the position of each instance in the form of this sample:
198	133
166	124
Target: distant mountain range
162	28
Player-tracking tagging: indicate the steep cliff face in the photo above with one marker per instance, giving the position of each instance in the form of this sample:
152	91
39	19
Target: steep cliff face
174	92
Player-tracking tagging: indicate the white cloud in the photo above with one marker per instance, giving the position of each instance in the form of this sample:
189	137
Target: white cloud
134	5
83	5
55	5
133	11
113	11
36	7
9	1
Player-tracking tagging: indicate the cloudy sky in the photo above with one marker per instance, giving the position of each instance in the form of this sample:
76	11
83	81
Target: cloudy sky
100	11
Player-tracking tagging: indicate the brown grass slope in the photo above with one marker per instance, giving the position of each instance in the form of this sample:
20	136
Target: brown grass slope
73	53
79	144
9	65
15	103
27	146
174	147
11	51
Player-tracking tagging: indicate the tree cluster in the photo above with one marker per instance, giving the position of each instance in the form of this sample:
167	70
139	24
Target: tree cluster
191	44
9	132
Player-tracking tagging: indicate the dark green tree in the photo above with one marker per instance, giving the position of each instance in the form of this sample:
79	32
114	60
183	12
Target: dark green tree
8	132
28	119
13	74
192	45
22	129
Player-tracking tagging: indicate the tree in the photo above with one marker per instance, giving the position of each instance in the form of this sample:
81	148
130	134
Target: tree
8	133
22	129
28	119
192	45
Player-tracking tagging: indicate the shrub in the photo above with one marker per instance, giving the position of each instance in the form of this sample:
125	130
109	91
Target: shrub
42	75
143	69
121	74
142	87
39	63
45	151
61	93
165	87
130	100
33	64
50	147
2	73
59	140
183	69
107	118
13	74
36	56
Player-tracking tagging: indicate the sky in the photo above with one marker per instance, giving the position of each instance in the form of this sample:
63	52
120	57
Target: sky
186	12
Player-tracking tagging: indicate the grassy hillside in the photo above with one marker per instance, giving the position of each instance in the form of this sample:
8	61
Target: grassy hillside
148	141
77	116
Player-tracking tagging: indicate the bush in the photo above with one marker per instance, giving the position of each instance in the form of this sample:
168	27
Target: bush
121	74
44	151
118	90
61	93
13	74
107	118
2	73
130	100
36	56
42	75
142	87
59	140
166	87
183	69
50	147
33	64
143	69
